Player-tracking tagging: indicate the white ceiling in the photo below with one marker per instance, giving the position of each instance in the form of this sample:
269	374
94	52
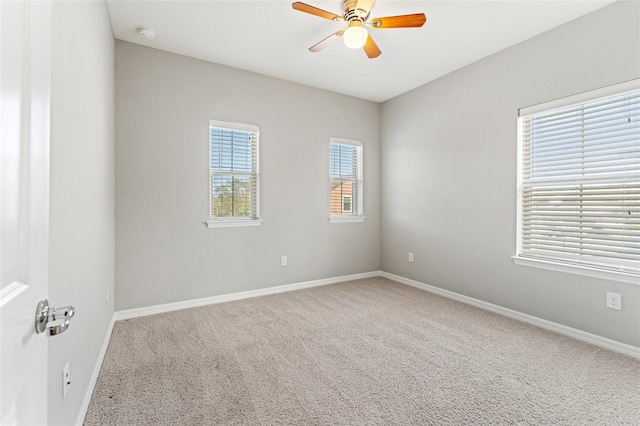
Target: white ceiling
270	38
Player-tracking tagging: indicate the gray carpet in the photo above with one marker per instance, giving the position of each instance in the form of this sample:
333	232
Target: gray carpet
367	352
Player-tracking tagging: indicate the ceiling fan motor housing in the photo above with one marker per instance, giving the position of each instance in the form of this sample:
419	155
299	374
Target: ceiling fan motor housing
351	13
356	13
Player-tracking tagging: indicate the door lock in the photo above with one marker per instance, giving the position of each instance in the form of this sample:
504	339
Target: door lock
59	318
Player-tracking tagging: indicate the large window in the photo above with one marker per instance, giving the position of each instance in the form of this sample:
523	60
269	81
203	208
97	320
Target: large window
345	181
579	184
233	174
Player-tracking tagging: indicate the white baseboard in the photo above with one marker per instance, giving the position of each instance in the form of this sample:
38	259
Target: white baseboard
158	309
151	310
94	377
594	339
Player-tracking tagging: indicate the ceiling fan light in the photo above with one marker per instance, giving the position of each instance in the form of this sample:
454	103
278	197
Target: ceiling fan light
355	36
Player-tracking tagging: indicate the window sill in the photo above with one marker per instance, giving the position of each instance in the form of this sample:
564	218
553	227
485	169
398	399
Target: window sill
346	219
592	272
232	223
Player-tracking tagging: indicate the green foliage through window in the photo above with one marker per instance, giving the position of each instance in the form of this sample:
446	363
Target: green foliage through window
233	168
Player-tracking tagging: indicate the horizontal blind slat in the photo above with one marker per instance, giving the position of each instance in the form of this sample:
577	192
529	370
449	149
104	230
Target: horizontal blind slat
589	129
580	188
233	156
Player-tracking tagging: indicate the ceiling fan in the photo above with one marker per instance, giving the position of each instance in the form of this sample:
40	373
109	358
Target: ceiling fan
356	13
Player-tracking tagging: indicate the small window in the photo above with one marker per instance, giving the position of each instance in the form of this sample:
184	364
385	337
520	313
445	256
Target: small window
233	175
346	204
579	183
345	181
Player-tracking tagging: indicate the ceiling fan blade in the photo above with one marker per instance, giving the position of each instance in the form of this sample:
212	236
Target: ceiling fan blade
365	5
327	41
371	48
400	21
303	7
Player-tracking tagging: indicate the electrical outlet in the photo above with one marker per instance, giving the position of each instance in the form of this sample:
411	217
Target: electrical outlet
283	260
614	300
411	257
66	380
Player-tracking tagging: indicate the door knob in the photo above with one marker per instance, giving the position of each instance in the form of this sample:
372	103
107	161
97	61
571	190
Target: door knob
59	317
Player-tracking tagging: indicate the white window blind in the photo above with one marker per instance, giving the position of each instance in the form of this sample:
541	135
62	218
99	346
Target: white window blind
233	171
579	192
345	178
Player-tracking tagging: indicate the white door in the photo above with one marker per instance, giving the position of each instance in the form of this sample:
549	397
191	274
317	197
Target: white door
25	40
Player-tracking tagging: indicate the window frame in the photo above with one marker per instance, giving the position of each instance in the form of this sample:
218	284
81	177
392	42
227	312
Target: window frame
357	199
237	221
561	263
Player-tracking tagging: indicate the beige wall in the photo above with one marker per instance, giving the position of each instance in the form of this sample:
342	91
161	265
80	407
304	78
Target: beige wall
82	195
164	251
449	172
448	180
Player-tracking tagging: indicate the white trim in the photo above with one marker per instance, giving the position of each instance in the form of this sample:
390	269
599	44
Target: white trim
574	333
590	95
234	126
212	223
94	377
168	307
346	219
594	339
255	145
576	258
344	141
577	270
519	178
357	199
11	291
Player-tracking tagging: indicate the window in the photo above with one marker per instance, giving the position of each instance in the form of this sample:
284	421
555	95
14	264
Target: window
233	175
346	204
345	181
579	184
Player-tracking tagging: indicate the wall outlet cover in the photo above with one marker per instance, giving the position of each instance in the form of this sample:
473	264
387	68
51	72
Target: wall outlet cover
614	300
